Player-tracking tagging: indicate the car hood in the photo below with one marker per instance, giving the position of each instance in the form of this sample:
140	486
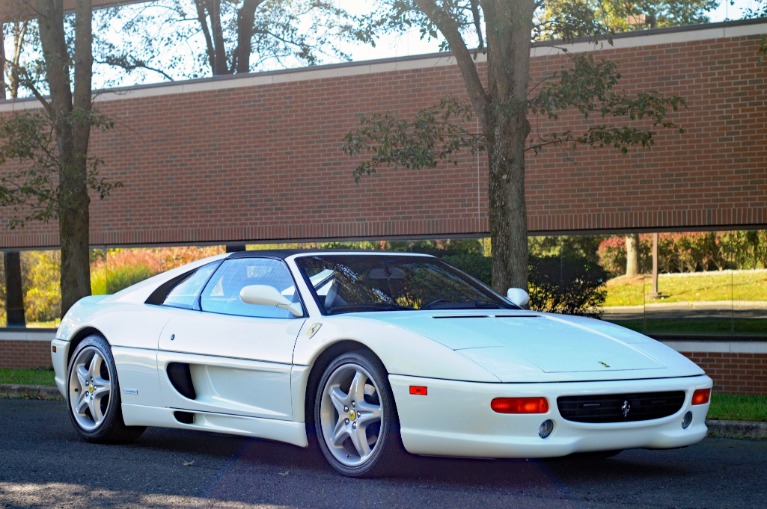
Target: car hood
518	345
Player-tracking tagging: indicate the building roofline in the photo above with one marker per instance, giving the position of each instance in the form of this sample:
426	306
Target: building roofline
654	37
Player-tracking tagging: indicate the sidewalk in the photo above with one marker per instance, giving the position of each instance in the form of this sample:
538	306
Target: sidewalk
731	429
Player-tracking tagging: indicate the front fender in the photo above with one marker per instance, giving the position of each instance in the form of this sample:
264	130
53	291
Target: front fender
402	352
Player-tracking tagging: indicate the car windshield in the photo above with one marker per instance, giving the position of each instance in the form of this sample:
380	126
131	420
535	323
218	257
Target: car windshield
347	283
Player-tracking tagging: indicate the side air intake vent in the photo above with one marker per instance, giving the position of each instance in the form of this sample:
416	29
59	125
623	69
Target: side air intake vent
184	417
181	379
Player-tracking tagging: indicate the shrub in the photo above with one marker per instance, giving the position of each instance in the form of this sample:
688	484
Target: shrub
476	265
40	279
570	284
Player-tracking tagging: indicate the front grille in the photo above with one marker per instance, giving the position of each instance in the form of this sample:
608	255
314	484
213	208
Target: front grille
620	407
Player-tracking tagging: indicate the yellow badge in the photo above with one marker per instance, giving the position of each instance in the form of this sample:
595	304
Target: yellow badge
313	330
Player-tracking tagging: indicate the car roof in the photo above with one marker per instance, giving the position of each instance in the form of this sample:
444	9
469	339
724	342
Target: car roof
282	254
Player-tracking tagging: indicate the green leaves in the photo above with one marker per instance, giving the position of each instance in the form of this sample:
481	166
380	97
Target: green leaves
590	87
31	187
433	136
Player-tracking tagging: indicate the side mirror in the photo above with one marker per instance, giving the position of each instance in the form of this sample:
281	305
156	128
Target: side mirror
269	296
518	296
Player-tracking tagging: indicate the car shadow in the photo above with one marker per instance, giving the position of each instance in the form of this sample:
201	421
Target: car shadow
468	472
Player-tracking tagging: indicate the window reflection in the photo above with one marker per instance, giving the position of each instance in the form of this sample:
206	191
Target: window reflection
710	284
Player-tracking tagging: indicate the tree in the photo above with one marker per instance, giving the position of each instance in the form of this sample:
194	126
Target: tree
632	254
226	36
14	291
565	19
54	144
502	29
759	10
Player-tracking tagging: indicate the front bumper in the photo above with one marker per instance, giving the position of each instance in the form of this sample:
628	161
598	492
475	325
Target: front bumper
455	419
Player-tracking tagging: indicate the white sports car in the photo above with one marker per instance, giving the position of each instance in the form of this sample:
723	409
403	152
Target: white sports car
366	353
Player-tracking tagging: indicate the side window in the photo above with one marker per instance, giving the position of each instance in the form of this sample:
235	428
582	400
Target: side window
186	293
222	293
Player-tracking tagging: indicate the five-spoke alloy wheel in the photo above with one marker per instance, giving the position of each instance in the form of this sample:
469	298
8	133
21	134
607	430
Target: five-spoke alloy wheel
93	394
355	416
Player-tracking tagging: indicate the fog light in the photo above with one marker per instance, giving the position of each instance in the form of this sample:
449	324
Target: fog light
686	420
545	429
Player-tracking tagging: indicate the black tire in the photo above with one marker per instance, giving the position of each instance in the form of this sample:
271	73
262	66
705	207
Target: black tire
357	438
93	394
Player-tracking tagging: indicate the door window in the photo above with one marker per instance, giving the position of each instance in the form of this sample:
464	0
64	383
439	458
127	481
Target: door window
222	293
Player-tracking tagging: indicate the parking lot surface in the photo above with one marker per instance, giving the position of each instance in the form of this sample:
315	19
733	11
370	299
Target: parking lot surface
44	464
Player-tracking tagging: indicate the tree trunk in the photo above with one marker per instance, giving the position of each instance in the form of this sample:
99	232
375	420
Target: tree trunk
71	123
632	254
14	292
245	19
506	130
507	205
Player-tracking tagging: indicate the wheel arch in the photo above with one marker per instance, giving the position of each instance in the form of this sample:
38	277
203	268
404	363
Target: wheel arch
79	337
318	367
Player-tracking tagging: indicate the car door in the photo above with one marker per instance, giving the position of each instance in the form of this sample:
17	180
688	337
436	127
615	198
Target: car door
222	355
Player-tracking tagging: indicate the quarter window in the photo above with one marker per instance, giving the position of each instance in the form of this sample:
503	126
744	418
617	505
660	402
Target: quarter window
186	293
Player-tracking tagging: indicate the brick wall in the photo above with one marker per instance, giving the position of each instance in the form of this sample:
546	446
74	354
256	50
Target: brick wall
258	157
735	373
24	354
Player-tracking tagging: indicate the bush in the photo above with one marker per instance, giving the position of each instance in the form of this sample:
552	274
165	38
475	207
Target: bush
40	280
570	284
120	268
476	265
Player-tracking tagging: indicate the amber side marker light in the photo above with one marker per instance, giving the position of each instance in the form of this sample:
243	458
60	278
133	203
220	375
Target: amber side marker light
520	405
419	390
701	396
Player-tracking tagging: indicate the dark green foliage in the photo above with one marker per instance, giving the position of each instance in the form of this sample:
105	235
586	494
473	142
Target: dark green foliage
434	136
474	264
589	87
31	190
570	284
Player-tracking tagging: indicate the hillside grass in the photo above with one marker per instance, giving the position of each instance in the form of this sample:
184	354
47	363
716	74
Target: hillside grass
743	285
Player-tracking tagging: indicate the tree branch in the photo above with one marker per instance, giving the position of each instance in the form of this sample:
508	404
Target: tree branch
449	28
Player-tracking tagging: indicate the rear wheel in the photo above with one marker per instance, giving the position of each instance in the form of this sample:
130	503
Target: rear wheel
355	417
93	394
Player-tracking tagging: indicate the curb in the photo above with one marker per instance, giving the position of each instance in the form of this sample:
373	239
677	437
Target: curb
736	429
29	392
716	428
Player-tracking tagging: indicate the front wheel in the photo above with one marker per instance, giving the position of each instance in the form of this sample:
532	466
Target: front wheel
355	416
93	394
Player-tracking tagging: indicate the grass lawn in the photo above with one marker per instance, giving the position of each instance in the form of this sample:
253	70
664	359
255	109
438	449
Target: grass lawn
734	407
743	285
738	407
27	377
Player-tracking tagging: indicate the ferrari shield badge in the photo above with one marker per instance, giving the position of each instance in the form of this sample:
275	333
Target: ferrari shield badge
313	330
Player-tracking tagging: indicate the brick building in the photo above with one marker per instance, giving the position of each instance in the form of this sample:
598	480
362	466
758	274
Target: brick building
257	157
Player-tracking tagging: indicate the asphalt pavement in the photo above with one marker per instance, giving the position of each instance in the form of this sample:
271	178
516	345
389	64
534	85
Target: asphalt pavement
45	464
